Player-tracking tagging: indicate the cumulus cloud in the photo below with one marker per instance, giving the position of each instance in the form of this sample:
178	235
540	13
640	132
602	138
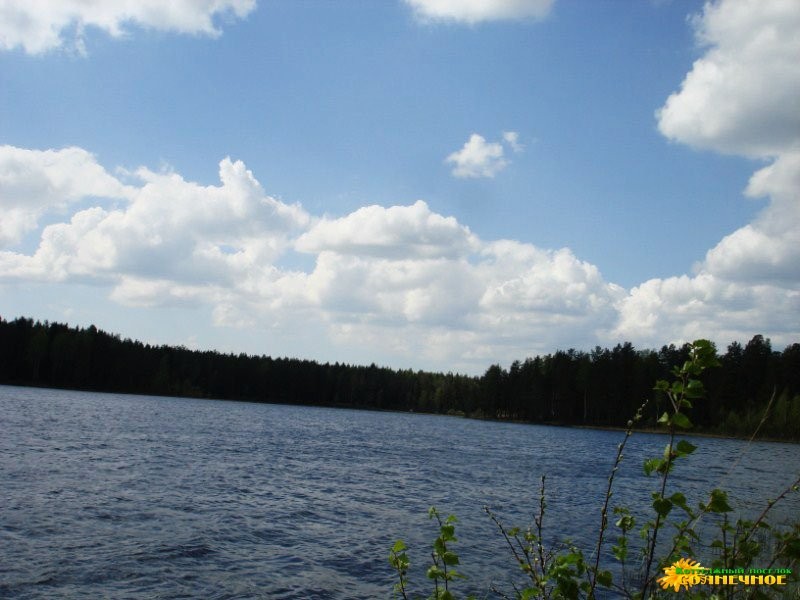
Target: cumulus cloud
679	309
413	281
475	11
505	301
35	182
367	290
740	97
479	158
43	25
401	264
768	249
170	229
399	231
503	296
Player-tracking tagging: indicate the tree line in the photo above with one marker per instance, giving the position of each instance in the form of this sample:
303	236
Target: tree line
602	387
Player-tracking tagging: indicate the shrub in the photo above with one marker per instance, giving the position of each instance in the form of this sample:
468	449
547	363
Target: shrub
563	570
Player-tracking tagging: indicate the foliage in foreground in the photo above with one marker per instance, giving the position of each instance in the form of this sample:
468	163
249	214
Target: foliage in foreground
566	571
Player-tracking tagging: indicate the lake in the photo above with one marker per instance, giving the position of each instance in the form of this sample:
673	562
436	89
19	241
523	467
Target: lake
122	496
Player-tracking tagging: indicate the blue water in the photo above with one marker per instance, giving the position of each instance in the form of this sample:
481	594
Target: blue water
117	496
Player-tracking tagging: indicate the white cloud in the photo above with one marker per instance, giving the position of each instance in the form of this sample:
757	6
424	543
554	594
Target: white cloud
38	26
478	158
364	290
679	309
415	282
475	11
504	296
402	264
170	230
34	183
512	139
143	292
399	231
403	281
741	97
542	299
768	249
548	282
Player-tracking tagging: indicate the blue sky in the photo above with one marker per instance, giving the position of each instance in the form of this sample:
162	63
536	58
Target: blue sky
435	184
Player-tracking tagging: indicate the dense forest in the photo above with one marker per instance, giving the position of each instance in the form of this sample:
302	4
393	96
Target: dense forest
603	387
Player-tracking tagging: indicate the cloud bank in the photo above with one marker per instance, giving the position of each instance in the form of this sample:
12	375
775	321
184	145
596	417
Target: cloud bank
415	286
411	280
741	98
43	25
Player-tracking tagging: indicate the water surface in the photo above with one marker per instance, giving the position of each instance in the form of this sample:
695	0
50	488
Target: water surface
120	496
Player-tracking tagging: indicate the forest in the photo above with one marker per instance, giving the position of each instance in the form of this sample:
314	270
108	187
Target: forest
755	388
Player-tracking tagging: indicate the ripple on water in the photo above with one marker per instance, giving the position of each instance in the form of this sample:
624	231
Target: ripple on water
132	497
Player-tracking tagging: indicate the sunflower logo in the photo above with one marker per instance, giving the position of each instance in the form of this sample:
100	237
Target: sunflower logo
683	573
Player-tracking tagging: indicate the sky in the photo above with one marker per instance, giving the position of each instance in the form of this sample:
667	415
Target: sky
426	184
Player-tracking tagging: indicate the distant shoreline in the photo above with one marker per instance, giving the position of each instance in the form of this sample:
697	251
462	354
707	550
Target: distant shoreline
705	434
601	389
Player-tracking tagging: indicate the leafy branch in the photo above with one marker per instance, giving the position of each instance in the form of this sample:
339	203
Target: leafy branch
560	571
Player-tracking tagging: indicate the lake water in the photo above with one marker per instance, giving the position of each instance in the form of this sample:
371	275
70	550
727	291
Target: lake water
117	496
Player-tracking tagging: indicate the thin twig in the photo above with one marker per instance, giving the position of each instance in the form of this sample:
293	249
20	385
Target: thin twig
527	561
435	579
604	512
792	487
444	562
539	526
651	552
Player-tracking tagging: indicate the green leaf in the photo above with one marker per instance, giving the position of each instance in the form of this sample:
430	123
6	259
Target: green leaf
651	464
662	506
604	578
664	418
434	572
684	448
450	558
705	354
719	502
625	522
399	546
694	389
620	552
439	546
399	562
678	499
681	420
